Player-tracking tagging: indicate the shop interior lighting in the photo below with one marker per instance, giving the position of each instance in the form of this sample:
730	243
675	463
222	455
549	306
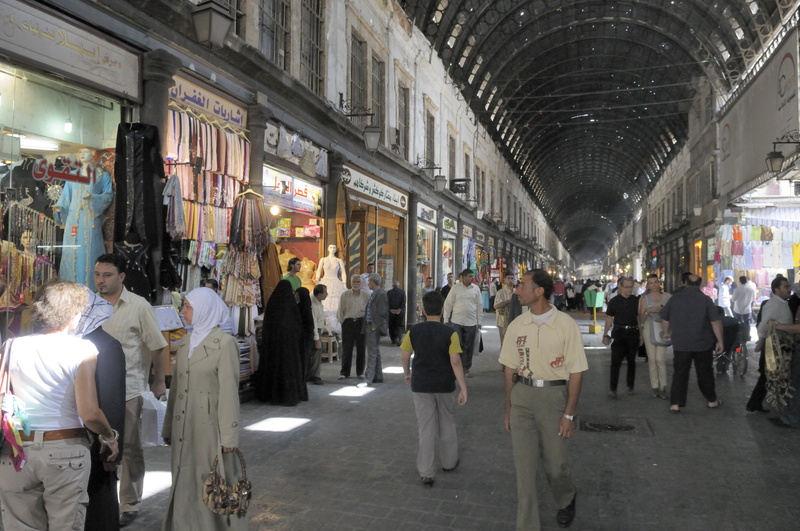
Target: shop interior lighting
38	144
274	210
68	124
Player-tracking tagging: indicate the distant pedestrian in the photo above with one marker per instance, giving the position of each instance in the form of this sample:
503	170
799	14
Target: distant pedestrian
502	305
291	273
376	324
691	322
724	296
463	310
650	304
742	299
318	312
352	306
447	287
623	312
777	308
397	309
436	368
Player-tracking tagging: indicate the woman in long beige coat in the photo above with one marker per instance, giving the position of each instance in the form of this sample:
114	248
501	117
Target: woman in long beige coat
202	420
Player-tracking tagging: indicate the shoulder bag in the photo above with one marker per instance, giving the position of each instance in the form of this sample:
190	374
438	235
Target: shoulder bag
14	418
656	329
225	499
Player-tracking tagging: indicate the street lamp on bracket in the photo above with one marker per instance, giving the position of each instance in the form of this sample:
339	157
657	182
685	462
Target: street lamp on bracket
371	133
439	180
775	158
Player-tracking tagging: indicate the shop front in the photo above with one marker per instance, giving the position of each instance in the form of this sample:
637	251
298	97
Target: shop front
468	256
426	244
63	93
449	235
375	233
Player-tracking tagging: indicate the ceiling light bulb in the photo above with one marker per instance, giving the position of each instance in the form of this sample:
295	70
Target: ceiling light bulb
274	210
68	125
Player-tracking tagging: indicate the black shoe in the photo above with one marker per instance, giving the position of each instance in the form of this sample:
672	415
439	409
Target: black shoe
454	466
778	422
377	380
428	482
316	381
565	516
126	519
759	409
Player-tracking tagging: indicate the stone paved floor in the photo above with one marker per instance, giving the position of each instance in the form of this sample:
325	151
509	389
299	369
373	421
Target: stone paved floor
349	461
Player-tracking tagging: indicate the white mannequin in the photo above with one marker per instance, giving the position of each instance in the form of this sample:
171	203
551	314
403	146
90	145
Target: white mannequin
331	265
332	274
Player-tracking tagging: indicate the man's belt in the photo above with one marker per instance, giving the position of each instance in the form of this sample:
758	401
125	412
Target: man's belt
634	327
537	383
57	435
354	319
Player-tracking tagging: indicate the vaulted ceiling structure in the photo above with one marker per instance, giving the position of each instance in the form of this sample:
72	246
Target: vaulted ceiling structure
588	99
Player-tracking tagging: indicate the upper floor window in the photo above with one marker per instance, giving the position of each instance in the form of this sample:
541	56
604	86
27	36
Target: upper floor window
358	78
451	157
402	120
430	136
274	31
378	92
311	45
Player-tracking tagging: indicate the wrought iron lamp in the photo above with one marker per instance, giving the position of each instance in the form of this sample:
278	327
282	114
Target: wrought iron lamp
371	133
439	181
212	21
775	158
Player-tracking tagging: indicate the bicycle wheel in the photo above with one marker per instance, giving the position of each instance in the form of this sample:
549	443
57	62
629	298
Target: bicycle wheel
742	357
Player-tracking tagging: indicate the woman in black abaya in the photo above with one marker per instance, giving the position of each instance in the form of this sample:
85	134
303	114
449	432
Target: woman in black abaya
307	318
279	378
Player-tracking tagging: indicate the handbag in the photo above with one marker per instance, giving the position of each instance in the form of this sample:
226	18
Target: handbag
225	499
657	334
13	417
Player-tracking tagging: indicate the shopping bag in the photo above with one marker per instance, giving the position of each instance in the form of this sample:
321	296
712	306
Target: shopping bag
153	413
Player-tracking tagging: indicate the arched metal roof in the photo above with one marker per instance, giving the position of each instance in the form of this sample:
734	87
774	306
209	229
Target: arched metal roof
589	98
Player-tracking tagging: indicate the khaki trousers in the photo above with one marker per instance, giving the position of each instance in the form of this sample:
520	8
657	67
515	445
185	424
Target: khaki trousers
656	361
536	413
50	491
436	423
131	478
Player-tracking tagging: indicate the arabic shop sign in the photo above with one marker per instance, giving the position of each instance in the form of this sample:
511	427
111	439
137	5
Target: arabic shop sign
449	224
307	198
427	213
35	35
364	184
291	193
207	102
64	169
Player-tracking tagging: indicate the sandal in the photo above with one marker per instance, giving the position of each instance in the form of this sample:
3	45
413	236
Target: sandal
719	404
675	409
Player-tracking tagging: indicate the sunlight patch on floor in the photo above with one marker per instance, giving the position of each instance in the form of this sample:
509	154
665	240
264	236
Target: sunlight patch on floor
352	391
155	481
393	370
278	424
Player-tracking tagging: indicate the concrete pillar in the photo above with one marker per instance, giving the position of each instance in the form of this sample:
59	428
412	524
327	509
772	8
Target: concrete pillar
411	259
158	69
335	168
257	116
458	265
438	275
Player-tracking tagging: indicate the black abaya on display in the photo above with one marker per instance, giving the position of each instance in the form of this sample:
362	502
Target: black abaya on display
307	318
279	378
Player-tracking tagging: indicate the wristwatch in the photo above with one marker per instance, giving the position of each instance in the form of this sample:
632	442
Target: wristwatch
569	417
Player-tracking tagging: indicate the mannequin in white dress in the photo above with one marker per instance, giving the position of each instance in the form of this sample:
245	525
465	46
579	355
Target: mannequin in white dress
331	272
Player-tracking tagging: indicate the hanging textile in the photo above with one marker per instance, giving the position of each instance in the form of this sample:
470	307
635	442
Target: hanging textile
249	238
173	200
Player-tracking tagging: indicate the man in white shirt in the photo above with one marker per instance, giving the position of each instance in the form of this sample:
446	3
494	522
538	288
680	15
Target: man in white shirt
365	278
742	299
320	294
133	323
463	309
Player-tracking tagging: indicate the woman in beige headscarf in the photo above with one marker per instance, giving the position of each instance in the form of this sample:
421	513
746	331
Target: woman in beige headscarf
202	420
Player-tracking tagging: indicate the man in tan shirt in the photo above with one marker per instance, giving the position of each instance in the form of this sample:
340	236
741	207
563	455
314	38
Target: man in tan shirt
133	323
352	307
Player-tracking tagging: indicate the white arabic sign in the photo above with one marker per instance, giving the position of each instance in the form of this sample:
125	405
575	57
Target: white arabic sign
56	44
362	183
207	102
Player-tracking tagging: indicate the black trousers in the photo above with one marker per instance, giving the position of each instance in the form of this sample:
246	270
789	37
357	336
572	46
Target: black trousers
760	390
352	335
624	347
396	327
703	365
